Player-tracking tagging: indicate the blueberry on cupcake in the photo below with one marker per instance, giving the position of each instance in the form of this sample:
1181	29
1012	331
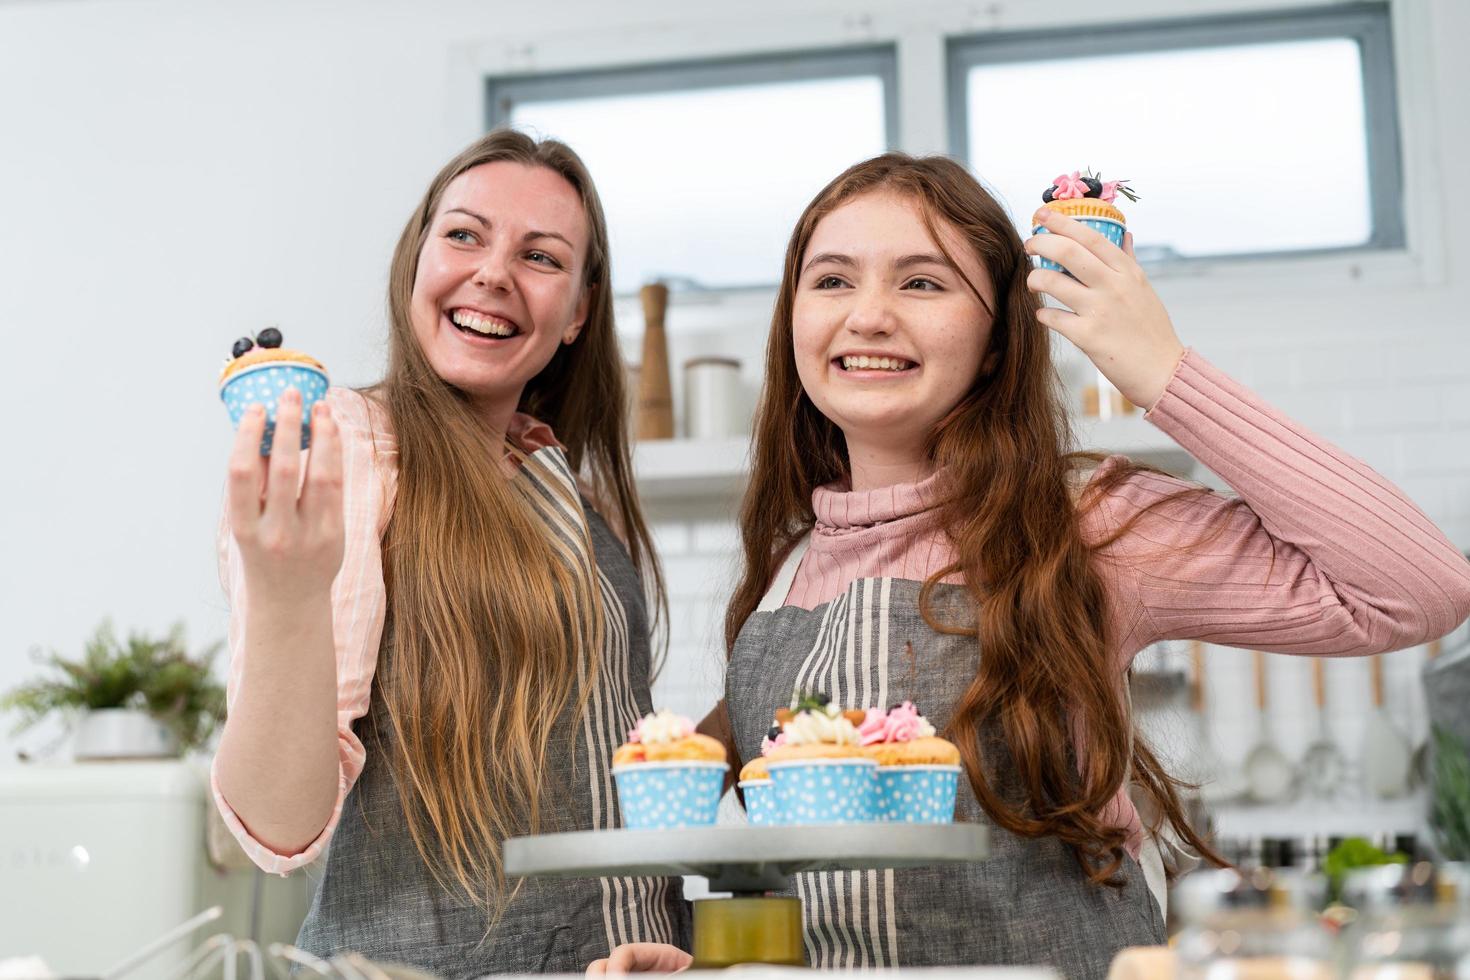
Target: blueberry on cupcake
259	371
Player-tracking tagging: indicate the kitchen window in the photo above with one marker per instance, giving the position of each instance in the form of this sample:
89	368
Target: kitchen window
704	168
1260	136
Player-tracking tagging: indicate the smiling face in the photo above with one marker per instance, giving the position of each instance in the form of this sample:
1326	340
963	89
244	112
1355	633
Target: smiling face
887	335
500	281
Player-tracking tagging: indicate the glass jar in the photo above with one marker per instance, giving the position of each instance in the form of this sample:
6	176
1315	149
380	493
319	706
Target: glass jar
1413	922
1257	925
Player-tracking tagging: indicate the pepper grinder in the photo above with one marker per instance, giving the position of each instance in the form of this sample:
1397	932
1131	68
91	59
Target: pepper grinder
655	401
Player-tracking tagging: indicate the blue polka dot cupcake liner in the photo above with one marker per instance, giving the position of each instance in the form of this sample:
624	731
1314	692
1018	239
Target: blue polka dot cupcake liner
666	795
760	802
917	794
1111	230
825	791
263	385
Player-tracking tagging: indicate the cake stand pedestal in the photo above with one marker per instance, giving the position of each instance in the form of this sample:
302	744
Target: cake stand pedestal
750	926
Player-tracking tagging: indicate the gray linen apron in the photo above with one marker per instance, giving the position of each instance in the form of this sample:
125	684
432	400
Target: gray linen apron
1028	903
376	896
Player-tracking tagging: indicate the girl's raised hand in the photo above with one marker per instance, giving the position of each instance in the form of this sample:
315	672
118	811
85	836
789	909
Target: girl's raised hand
289	529
1115	316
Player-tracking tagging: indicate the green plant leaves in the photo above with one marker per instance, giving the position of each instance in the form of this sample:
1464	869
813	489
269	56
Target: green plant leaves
155	675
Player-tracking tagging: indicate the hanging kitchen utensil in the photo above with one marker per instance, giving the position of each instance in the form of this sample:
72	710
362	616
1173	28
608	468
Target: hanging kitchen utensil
1268	773
655	398
1419	762
1387	755
1323	765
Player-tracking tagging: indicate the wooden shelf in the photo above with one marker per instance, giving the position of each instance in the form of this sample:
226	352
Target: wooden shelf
672	469
690	468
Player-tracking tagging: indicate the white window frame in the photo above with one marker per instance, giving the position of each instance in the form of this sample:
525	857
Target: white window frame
920	35
1367	24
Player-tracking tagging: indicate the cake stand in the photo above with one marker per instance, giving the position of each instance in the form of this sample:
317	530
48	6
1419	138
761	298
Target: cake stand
749	926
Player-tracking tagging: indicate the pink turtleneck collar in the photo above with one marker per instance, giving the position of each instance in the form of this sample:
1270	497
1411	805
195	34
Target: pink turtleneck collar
840	510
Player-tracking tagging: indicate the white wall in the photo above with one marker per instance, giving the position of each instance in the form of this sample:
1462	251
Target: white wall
175	174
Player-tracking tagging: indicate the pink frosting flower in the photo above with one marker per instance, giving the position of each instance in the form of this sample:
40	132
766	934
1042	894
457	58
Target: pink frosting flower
1110	190
905	724
1068	186
874	727
767	744
902	724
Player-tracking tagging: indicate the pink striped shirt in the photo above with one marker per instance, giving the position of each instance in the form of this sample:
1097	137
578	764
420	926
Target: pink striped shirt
1319	553
359	596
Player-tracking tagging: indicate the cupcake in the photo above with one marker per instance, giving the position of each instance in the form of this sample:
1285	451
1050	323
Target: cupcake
755	782
918	772
257	374
1089	199
668	774
819	771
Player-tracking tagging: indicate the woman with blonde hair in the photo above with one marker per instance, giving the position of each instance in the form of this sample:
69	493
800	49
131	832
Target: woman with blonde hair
439	641
916	528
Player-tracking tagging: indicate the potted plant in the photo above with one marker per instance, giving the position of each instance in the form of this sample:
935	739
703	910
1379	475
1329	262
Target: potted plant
142	698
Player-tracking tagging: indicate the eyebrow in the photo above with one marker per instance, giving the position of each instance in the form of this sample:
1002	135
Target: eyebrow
527	237
905	262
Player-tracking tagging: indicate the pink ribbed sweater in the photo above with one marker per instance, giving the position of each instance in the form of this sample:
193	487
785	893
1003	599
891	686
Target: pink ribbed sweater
1319	554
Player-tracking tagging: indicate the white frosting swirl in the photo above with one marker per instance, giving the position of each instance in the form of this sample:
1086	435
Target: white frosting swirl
663	726
827	727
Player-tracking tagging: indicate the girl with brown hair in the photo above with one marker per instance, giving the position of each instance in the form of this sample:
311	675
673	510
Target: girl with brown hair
916	528
439	641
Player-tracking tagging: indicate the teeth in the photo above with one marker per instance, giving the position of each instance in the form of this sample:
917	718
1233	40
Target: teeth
863	361
479	324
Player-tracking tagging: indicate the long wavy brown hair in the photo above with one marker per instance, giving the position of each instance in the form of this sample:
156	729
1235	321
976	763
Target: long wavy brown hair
1047	694
494	632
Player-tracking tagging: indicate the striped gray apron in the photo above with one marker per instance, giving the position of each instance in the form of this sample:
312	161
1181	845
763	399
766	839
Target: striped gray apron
1028	903
377	897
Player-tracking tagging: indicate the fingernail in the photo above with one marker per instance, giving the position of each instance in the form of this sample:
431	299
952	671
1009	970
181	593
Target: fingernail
256	410
1043	213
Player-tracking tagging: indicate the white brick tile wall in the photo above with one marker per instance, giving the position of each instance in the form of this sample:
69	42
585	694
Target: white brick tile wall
1435	453
1408	406
1456	407
1426	360
1338	365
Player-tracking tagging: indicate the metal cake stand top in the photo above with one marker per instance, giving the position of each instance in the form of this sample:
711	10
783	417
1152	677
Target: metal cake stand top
743	858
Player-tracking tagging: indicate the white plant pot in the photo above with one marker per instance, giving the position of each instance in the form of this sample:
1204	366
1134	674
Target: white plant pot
123	733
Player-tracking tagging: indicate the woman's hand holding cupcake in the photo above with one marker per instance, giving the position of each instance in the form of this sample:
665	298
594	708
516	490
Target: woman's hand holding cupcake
1114	315
289	528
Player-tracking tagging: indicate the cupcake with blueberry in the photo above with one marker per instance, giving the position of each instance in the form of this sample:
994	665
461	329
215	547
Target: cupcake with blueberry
1089	199
755	781
668	774
918	771
819	772
259	371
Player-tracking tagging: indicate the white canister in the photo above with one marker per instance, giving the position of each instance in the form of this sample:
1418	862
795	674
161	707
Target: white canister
714	404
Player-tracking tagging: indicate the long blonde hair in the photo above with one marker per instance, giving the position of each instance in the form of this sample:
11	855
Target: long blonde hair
494	635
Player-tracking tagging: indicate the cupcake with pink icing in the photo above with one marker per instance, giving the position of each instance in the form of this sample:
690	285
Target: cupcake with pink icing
918	772
1089	199
819	771
668	774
